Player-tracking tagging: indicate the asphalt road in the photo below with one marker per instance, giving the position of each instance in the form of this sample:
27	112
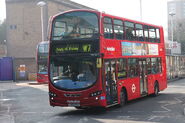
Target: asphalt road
25	103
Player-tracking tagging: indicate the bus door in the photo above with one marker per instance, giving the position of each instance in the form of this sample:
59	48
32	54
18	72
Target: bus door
111	82
143	76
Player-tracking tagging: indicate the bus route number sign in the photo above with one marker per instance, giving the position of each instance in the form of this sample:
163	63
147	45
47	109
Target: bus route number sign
85	48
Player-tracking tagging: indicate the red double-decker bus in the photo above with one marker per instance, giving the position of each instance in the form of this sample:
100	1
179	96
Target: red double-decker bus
42	60
97	59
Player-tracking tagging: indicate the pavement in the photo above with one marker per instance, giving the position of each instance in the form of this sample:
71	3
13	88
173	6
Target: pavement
27	102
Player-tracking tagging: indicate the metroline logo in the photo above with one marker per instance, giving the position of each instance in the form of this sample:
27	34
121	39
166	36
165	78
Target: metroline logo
110	49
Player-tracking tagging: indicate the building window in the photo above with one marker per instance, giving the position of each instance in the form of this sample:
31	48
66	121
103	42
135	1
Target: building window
13	27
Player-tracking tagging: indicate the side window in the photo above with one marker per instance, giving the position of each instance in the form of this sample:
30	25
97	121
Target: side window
158	35
108	30
146	33
155	65
159	64
149	69
132	67
122	68
152	34
118	29
139	32
129	30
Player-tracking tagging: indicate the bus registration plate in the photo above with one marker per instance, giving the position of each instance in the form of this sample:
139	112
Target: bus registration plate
73	103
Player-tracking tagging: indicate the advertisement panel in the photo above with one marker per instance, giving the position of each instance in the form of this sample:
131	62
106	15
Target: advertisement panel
130	49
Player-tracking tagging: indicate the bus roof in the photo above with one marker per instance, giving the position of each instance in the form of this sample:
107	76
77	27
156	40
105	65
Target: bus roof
126	19
43	42
103	14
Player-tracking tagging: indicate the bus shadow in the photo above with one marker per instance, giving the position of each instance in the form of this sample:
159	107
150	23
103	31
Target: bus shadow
156	101
140	109
100	110
90	111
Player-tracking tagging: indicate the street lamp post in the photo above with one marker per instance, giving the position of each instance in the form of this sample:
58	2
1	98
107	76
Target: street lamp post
41	4
172	14
141	16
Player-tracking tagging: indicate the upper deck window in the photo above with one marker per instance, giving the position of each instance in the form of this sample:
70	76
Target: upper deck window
118	29
108	30
139	32
130	31
146	32
157	35
75	25
152	34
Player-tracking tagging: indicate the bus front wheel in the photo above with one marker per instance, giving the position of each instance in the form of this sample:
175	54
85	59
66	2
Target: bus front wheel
122	98
156	90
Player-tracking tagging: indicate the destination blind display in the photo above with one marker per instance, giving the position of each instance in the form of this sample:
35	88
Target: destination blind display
43	57
74	48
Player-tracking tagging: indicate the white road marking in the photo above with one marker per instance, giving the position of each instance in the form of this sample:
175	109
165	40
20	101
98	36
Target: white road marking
158	118
160	111
5	99
136	111
83	120
165	108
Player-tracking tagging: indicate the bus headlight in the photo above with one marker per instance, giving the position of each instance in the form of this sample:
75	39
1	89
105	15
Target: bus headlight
97	93
51	94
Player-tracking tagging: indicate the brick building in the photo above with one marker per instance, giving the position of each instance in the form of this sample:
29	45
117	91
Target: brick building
3	50
24	30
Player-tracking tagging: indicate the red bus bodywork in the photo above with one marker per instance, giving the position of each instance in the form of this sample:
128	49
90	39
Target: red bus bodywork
111	49
42	78
42	59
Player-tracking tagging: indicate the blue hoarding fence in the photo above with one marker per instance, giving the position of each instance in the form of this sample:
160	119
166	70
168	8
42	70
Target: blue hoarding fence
6	68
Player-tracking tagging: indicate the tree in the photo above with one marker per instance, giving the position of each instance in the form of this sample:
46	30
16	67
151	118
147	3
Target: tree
3	32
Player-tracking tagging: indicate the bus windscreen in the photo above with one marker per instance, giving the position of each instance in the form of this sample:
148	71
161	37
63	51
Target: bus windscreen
73	73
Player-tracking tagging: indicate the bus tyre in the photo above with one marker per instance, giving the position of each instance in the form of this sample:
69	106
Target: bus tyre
122	98
156	90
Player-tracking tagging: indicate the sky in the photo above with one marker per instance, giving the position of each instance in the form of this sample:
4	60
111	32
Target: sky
2	10
153	11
